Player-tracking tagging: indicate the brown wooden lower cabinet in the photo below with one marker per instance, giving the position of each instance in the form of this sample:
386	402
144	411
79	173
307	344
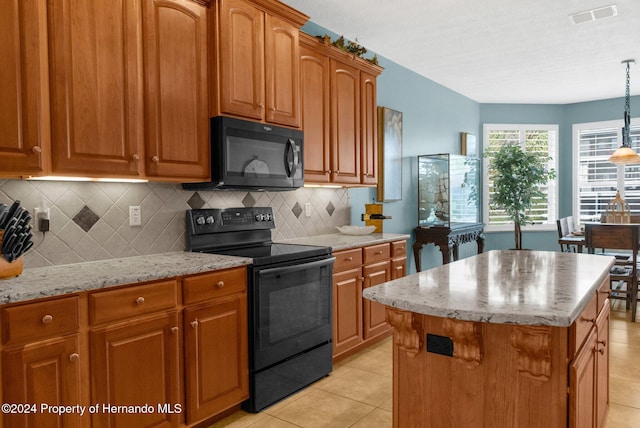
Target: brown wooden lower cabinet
177	348
45	372
358	322
216	356
135	363
500	374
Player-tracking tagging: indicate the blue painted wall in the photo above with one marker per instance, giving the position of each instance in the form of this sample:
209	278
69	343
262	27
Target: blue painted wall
434	117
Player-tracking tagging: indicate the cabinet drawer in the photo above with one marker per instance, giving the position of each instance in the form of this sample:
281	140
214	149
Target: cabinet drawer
603	293
132	301
582	326
347	259
399	249
377	253
40	320
215	284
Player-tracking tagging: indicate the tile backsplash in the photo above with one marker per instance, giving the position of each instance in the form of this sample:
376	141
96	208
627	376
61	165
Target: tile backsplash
90	220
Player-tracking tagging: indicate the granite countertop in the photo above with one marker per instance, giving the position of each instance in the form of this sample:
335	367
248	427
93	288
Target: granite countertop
72	278
339	241
503	287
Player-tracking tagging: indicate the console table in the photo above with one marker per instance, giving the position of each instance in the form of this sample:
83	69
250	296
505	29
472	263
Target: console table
448	239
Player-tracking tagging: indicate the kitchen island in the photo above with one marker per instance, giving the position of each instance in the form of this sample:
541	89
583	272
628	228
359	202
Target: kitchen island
501	339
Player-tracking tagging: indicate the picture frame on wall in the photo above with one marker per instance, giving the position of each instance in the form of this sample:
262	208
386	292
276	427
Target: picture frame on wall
469	145
389	155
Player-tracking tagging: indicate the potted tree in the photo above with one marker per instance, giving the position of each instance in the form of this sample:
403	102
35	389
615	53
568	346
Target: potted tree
517	177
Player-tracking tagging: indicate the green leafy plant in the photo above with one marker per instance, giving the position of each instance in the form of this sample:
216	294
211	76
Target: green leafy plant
517	177
353	48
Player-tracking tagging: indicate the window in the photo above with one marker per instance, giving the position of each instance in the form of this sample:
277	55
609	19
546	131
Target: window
595	179
541	139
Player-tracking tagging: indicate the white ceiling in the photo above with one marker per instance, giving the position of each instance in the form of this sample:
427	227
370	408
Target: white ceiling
496	51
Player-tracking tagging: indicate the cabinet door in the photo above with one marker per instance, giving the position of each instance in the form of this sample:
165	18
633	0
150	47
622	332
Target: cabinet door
176	88
314	77
136	363
282	68
398	268
241	62
347	310
43	372
24	104
602	365
345	123
374	313
96	87
216	356
369	123
582	374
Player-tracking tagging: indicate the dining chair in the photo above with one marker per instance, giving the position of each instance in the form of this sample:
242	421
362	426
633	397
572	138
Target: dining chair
568	242
625	237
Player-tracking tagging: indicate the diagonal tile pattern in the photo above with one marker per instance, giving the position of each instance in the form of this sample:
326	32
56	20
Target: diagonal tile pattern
90	221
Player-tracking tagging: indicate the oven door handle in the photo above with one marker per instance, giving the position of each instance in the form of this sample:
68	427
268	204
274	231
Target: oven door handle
297	267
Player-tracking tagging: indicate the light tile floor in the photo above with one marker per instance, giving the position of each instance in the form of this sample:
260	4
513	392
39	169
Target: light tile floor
358	393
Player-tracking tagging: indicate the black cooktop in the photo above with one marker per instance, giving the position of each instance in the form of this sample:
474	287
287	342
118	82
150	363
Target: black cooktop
275	253
243	232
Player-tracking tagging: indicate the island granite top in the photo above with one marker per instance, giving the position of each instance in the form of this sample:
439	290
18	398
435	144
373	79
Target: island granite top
50	281
501	286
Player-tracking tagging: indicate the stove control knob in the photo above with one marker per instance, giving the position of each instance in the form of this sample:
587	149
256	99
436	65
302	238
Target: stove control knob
259	217
200	220
269	217
209	219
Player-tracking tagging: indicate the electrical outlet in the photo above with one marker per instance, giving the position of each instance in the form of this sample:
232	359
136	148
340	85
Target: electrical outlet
135	216
41	219
307	209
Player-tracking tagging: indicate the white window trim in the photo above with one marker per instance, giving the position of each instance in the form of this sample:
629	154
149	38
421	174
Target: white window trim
553	188
575	149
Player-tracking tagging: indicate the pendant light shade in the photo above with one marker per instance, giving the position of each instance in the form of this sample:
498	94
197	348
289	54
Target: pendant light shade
625	154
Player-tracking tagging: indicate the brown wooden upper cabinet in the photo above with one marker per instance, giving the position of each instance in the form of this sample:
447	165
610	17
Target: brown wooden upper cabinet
120	89
342	88
256	61
24	104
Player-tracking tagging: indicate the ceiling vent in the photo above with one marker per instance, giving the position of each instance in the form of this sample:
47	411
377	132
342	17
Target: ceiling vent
593	14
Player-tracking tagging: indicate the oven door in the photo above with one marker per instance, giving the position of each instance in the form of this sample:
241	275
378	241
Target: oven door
291	310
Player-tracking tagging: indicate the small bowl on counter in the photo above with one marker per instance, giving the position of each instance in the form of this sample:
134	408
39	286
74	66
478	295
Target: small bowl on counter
356	230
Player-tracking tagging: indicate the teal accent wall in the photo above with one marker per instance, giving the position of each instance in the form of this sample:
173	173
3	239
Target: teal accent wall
433	118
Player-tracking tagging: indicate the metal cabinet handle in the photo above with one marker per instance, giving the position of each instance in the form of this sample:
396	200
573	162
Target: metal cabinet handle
194	324
349	259
74	357
135	157
378	253
140	300
220	284
155	159
47	319
36	149
174	330
260	104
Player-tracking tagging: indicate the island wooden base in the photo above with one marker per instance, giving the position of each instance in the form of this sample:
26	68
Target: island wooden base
498	376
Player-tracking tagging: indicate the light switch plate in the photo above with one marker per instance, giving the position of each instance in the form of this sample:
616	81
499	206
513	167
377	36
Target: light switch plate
135	216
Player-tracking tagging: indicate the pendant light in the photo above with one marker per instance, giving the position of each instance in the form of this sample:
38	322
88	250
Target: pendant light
625	154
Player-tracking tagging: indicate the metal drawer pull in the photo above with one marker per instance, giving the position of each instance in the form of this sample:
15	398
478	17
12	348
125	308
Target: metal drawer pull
36	149
155	159
349	259
74	357
47	319
220	284
378	253
194	324
140	300
174	330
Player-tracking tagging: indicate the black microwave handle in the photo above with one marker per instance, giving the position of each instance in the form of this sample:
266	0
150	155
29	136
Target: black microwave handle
290	148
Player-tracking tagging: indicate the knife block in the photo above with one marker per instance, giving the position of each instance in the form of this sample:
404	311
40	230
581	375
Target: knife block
9	270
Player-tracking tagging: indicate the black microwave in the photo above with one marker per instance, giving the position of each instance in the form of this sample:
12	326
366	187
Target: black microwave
249	155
